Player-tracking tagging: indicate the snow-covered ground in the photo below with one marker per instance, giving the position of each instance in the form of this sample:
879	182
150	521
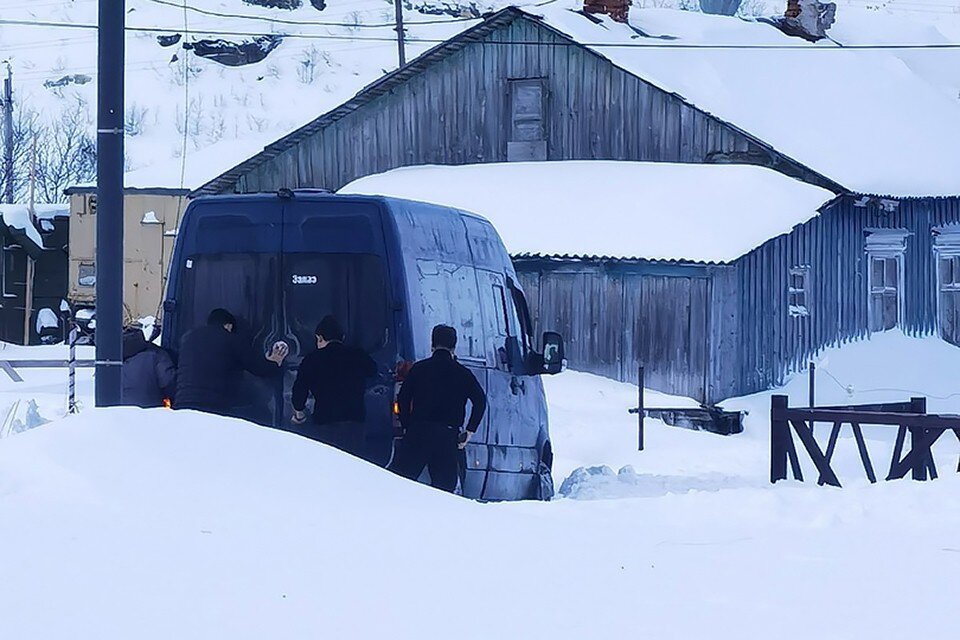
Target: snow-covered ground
154	524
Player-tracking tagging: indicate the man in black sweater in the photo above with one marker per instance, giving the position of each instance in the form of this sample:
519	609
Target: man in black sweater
212	361
336	376
432	403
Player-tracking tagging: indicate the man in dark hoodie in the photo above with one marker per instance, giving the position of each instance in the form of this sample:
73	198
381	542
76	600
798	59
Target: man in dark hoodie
212	361
148	373
336	376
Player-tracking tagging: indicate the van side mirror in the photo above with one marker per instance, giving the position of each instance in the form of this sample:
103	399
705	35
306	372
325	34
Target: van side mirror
554	358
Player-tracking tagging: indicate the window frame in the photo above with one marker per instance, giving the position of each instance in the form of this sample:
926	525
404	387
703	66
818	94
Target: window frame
798	297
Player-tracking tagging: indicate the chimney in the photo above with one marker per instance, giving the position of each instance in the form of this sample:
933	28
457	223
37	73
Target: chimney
616	9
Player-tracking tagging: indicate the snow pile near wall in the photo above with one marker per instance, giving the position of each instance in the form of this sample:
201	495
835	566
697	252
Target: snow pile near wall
709	213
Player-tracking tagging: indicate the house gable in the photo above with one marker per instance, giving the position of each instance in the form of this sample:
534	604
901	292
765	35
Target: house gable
452	106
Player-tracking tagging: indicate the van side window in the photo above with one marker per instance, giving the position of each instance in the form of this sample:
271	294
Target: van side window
449	296
501	304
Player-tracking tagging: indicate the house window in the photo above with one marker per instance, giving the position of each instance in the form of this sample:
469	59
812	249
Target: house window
8	268
528	132
884	292
797	291
885	249
88	275
950	273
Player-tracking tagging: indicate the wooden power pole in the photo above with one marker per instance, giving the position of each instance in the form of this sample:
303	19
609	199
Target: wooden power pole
398	6
8	136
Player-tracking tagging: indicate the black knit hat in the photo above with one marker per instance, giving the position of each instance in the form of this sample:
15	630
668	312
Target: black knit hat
329	329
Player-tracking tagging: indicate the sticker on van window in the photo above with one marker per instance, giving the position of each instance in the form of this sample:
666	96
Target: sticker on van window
304	279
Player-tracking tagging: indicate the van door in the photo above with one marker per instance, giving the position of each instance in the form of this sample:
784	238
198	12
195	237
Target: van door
333	262
232	262
514	406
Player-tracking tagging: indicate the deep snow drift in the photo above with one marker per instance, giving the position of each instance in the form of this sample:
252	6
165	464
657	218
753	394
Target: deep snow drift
156	524
153	524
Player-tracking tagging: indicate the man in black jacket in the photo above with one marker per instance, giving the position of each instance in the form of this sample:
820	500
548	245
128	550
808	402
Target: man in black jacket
432	404
148	373
336	376
212	360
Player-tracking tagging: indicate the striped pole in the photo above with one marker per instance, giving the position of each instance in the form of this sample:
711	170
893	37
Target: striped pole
72	375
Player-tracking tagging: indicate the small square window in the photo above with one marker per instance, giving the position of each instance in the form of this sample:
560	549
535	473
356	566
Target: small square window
797	291
88	275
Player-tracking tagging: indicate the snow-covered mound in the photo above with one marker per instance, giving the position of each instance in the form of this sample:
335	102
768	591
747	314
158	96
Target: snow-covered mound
634	212
157	524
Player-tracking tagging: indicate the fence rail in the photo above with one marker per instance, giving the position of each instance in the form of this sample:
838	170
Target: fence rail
909	417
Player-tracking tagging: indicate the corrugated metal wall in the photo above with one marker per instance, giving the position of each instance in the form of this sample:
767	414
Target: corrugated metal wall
456	112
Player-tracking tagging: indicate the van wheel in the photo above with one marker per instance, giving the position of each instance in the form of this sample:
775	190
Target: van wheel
546	456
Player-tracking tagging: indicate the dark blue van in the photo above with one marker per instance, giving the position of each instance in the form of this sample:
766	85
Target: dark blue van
390	270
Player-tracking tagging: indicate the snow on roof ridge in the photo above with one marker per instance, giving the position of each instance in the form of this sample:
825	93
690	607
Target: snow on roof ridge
622	210
827	115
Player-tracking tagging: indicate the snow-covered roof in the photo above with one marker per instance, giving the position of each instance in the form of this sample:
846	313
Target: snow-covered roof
655	211
866	118
17	216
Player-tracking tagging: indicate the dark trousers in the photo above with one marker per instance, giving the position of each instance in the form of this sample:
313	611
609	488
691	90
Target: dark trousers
434	448
346	436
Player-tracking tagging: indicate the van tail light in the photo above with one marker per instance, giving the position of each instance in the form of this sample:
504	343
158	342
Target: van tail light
167	403
400	373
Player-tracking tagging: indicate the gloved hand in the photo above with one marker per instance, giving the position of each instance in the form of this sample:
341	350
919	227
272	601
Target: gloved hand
299	417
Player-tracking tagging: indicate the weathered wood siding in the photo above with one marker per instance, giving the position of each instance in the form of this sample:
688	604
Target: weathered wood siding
456	111
615	316
773	343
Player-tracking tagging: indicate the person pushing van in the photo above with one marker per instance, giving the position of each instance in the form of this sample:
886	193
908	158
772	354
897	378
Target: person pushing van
212	359
335	375
432	404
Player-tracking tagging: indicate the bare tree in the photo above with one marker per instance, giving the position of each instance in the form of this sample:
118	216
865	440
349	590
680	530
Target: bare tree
66	153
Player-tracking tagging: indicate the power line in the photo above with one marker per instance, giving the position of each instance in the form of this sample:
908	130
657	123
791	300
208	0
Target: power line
607	45
297	23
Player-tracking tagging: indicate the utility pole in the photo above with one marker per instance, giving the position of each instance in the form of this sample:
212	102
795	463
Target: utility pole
8	136
398	6
28	296
109	262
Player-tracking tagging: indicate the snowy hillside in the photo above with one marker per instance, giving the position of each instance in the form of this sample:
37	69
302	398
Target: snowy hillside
183	101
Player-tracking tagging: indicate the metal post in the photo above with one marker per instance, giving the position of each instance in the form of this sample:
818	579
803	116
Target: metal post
28	294
109	262
72	369
398	7
813	384
8	136
640	414
779	432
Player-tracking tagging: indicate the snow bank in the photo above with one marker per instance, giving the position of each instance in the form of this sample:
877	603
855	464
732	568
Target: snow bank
157	524
710	213
817	103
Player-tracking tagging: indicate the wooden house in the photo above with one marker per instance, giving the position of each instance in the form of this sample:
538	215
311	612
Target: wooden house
551	84
33	272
